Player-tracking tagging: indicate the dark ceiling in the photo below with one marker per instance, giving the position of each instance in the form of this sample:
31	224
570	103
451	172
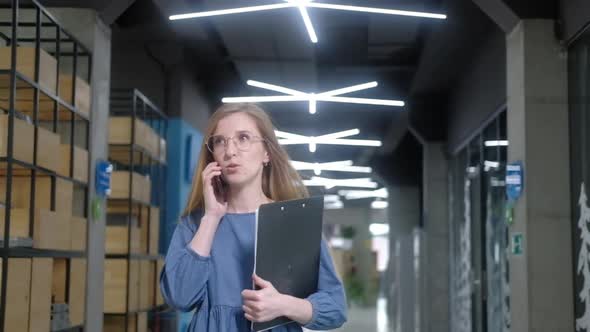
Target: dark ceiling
413	59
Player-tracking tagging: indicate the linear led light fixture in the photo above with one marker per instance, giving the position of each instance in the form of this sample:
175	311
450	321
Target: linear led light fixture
329	139
379	204
359	194
302	6
496	143
332	202
313	98
379	229
331	183
337	166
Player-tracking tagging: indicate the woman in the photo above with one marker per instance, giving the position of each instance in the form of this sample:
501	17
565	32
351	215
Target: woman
210	260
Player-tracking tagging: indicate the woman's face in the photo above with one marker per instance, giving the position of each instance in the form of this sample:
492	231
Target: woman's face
242	157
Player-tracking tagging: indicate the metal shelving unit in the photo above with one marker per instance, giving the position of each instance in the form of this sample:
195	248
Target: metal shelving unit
134	158
27	24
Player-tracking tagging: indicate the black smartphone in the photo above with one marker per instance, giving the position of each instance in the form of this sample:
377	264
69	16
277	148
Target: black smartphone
219	188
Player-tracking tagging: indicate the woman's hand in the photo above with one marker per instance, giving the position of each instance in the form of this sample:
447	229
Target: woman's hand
214	206
263	305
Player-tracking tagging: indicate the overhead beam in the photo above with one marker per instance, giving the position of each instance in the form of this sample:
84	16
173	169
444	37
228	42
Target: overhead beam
114	9
500	13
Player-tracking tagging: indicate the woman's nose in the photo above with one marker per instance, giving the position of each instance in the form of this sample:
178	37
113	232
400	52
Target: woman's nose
230	147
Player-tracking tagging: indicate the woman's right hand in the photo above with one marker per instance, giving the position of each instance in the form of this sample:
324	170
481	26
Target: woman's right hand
214	206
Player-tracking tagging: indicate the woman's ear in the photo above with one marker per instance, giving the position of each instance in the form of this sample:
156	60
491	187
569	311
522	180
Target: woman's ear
266	159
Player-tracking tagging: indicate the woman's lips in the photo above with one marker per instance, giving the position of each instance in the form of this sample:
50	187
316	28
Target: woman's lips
232	168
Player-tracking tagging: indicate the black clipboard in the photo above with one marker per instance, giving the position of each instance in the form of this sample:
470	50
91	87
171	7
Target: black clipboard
287	248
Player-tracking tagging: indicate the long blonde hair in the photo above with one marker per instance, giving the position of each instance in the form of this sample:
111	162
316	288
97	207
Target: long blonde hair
280	181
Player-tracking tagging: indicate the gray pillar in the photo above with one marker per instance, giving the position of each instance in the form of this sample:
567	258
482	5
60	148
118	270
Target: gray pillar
362	252
404	215
540	279
89	29
435	249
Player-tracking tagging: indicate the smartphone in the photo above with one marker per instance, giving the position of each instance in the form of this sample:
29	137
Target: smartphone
219	188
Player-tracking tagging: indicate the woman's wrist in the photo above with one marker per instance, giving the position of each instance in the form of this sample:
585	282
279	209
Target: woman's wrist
296	309
210	218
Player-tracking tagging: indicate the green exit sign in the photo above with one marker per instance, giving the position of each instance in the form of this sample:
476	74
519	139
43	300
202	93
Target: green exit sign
517	244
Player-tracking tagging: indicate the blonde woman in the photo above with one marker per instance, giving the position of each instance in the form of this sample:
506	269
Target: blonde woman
211	256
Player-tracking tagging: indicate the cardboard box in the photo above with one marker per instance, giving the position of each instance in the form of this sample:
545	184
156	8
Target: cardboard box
19	222
141	190
80	162
117	323
47	145
147	280
82	102
58	282
25	64
41	284
77	291
22	142
117	240
120	128
19	292
142	322
154	236
115	285
21	193
52	230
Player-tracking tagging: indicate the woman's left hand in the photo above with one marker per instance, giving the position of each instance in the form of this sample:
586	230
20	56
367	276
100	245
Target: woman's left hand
262	305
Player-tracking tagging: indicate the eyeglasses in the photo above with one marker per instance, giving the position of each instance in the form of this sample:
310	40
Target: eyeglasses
243	141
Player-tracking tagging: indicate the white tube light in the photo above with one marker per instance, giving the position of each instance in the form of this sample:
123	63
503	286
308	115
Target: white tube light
333	206
331	198
379	205
341	134
349	89
496	143
313	98
359	194
275	88
264	99
364	101
230	11
329	139
331	183
379	229
308	25
302	6
338	166
377	10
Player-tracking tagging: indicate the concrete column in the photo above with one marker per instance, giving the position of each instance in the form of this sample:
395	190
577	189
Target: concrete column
541	279
85	25
435	248
362	252
404	215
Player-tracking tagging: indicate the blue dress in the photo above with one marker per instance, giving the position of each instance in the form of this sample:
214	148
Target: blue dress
213	285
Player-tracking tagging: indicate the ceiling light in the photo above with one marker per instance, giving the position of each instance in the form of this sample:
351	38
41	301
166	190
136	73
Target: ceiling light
329	139
331	183
331	198
336	166
379	229
379	205
359	194
313	98
496	143
333	205
303	6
